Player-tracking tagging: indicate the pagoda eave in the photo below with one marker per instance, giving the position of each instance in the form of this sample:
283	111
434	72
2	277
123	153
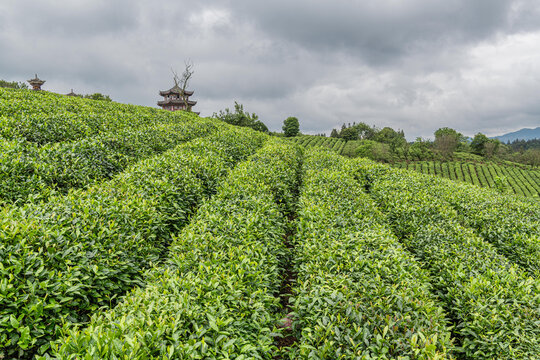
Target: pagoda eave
176	102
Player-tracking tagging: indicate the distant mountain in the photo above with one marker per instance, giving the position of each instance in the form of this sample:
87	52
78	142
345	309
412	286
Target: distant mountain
523	134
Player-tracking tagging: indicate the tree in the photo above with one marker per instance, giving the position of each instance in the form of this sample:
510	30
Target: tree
446	145
349	134
13	84
448	131
259	126
490	147
391	137
291	126
477	144
365	132
532	157
522	145
183	82
420	150
375	150
446	141
241	118
360	131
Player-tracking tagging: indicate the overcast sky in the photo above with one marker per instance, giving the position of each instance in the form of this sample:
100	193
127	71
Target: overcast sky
416	65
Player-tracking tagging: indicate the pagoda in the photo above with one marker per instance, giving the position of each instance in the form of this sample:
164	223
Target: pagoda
73	94
173	100
36	83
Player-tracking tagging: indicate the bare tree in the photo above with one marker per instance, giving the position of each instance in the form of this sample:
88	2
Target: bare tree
182	82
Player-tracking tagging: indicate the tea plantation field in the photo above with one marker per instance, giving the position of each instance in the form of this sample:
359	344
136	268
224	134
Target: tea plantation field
518	179
135	233
521	180
335	144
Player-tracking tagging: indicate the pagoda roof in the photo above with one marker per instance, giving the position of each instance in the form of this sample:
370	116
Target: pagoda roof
176	102
36	80
72	93
175	90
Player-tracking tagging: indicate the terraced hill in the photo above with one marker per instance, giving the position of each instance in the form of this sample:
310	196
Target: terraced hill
210	241
334	144
519	179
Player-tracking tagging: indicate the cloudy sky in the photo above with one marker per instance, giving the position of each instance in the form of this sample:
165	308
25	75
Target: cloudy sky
416	65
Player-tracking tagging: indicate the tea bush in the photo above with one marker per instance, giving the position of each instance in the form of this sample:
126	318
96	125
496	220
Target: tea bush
63	259
32	173
360	294
215	297
42	117
494	304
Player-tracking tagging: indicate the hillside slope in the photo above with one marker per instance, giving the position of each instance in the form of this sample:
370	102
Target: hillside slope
231	244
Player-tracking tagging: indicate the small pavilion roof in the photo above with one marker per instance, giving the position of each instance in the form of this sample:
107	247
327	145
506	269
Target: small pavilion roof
175	90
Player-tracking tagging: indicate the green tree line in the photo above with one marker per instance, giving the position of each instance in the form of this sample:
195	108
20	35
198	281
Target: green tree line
389	145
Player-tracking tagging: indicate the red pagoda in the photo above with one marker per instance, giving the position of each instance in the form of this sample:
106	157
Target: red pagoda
36	83
174	101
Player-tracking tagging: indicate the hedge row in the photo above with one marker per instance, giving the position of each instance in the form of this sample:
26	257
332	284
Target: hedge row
62	260
510	223
359	293
31	173
43	117
494	305
216	296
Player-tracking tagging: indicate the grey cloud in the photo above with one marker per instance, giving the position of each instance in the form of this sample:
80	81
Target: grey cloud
410	65
77	19
379	31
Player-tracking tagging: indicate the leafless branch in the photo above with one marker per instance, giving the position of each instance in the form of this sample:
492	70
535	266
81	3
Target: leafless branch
183	81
